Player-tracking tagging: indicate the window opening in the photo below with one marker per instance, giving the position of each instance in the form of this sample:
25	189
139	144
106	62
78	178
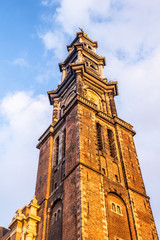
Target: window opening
116	177
99	136
111	143
55	185
55	217
113	207
103	170
59	213
57	150
118	209
153	235
92	66
64	144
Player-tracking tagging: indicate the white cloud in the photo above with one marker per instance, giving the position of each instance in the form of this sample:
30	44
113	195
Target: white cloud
123	26
44	3
25	117
22	62
49	3
54	40
49	40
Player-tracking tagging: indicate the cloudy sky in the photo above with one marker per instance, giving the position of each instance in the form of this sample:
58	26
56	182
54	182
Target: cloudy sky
33	39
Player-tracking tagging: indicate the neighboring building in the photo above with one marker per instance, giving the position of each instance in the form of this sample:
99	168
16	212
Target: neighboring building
89	184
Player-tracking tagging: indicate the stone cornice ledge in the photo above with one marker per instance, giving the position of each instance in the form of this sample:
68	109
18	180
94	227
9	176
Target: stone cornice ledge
124	124
105	116
45	135
114	120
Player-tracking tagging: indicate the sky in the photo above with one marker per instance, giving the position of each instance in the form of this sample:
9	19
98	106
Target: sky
33	39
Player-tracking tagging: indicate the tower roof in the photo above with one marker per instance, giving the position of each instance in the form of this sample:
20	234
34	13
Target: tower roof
81	37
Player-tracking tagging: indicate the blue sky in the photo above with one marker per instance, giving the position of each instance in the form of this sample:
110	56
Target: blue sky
33	39
20	46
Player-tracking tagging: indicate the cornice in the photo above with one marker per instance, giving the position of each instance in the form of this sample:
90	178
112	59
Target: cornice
89	75
124	124
52	129
80	67
45	135
95	55
55	93
80	46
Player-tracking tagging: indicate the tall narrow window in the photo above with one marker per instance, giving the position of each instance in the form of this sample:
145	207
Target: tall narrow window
59	213
115	169
111	142
119	209
113	207
116	177
55	217
99	136
57	150
64	144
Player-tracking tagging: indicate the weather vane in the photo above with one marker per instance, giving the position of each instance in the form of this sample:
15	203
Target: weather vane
82	29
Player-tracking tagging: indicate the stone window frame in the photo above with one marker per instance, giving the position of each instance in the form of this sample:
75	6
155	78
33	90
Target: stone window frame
56	215
115	207
89	63
88	46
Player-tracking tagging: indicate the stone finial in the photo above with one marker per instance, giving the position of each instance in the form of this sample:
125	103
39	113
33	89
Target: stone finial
34	200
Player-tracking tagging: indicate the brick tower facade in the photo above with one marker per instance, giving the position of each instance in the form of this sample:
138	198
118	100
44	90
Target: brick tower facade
89	183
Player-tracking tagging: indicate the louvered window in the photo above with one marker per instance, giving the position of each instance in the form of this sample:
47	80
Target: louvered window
64	144
57	150
99	136
111	141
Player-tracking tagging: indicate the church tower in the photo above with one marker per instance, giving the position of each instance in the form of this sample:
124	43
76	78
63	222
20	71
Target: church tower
89	183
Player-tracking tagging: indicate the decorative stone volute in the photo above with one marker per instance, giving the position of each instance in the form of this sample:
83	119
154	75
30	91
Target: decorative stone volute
24	223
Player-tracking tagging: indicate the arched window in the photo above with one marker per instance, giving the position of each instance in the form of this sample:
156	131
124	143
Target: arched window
118	214
55	223
59	213
118	209
55	217
94	97
103	165
116	177
113	207
115	169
